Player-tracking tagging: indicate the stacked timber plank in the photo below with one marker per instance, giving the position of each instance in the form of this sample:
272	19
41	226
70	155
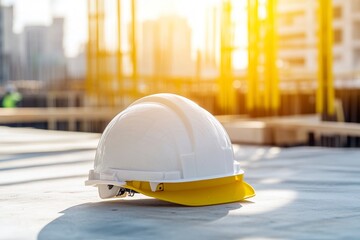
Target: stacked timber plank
279	131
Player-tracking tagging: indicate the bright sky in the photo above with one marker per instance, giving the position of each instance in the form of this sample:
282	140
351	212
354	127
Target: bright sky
41	11
75	12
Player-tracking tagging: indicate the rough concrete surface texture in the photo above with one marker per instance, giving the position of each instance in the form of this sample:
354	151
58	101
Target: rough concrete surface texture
302	193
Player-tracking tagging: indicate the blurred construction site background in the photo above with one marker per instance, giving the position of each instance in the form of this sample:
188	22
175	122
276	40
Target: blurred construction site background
256	58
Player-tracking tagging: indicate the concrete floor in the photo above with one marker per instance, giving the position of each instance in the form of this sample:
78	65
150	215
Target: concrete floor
302	193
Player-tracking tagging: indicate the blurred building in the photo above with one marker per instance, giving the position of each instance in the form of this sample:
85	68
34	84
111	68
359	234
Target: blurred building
8	44
1	46
43	53
36	53
165	48
298	35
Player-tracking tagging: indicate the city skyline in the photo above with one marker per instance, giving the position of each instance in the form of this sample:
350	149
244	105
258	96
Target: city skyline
290	15
36	53
42	13
75	14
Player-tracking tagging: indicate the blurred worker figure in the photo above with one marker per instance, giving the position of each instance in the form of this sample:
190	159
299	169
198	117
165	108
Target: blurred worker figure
12	97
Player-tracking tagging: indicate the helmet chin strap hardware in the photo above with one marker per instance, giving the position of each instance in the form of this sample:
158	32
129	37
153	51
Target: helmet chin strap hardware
123	192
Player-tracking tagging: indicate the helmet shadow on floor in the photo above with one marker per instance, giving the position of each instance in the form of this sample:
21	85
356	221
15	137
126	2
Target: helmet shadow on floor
133	218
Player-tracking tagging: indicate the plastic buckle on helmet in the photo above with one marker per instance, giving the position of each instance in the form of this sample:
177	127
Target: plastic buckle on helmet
123	192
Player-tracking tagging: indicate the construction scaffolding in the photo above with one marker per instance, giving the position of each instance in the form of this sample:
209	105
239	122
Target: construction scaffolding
109	84
263	80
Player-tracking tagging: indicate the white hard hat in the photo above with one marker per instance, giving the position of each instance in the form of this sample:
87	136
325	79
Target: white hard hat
166	146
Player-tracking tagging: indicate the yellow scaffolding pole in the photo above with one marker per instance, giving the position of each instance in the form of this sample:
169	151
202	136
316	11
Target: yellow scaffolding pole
104	84
97	54
89	75
325	90
226	97
99	78
267	96
134	49
92	70
119	54
253	54
272	96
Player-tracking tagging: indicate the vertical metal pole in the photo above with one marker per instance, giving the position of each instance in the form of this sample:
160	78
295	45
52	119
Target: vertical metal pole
133	48
215	36
119	53
329	50
105	80
272	96
89	61
320	80
98	90
253	54
325	90
221	100
268	70
226	90
207	36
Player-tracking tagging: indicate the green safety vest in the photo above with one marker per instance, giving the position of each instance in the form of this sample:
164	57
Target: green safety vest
10	100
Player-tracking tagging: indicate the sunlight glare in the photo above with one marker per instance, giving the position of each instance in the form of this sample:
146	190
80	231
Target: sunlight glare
266	201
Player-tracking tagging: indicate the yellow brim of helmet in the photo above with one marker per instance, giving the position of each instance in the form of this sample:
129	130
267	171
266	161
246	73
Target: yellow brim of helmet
198	193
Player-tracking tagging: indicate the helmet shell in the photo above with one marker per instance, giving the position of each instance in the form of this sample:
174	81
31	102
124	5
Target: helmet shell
164	138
